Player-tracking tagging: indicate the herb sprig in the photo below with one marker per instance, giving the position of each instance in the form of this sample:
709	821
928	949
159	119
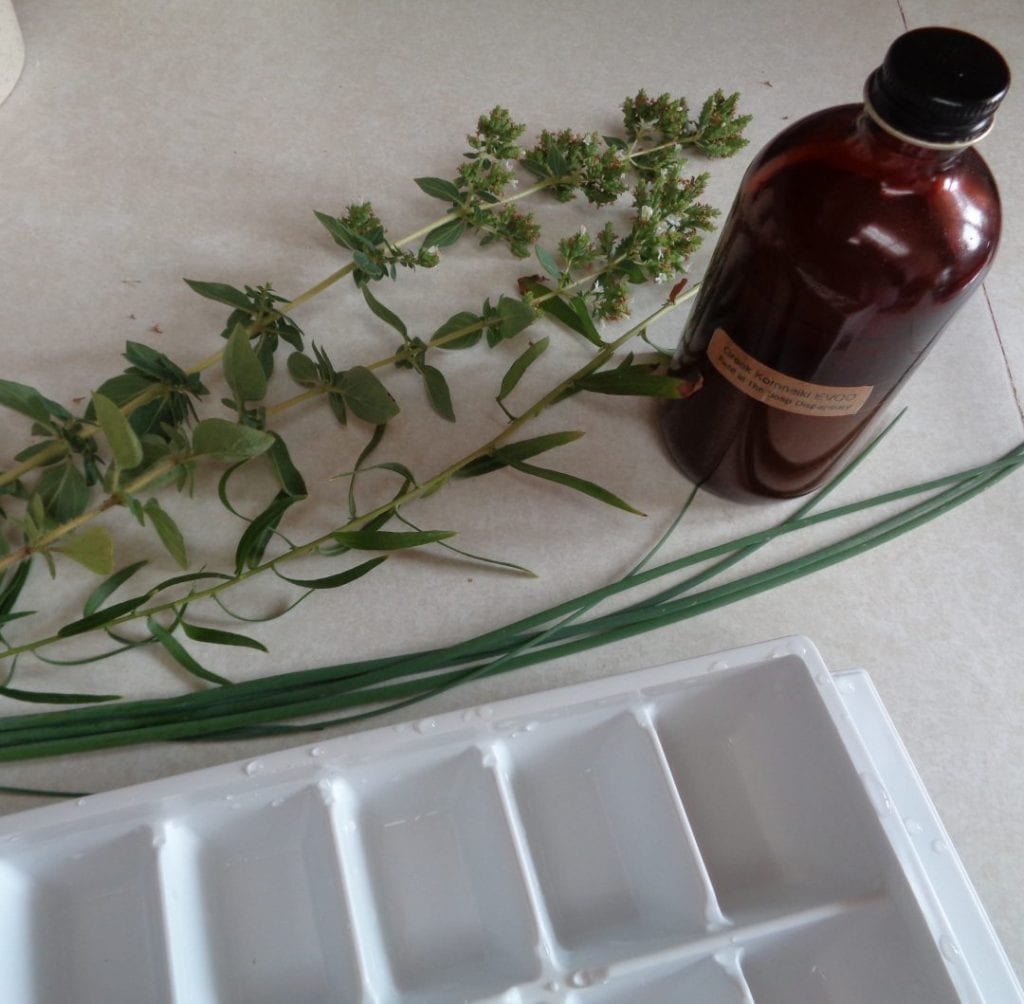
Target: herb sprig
148	417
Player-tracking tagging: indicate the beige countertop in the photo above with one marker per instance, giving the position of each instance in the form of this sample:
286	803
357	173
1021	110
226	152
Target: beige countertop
146	142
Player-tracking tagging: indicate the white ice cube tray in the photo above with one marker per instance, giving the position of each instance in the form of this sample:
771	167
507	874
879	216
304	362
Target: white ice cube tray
734	829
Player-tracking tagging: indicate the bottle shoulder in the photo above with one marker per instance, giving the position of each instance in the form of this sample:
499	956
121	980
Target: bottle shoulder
841	144
857	210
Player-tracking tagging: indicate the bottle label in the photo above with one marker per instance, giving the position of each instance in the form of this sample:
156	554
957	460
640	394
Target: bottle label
778	390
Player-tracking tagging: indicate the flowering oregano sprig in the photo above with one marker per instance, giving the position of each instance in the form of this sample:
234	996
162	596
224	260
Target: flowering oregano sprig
492	150
579	163
716	132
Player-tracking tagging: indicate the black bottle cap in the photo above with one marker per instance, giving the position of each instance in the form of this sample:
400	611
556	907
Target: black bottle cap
939	85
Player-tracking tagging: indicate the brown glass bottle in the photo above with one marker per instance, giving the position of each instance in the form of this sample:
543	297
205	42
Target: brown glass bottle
855	236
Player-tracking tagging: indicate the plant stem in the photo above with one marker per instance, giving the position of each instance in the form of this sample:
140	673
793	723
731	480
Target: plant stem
410	495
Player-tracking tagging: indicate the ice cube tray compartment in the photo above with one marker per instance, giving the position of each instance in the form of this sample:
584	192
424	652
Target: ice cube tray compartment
613	855
264	885
91	920
444	878
750	754
671	833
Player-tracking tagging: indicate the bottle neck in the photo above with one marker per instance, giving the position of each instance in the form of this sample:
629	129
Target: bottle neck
916	155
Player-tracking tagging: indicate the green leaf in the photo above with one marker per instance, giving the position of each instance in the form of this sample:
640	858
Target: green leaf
63	491
126	387
463	319
59	446
339	579
168	532
103	616
387	316
438	391
558	308
337	404
634	380
522	450
515	372
548	263
221	292
214	636
285	472
11	589
253	542
24	399
368	266
557	162
577	484
124	443
515	316
99	595
588	329
341	234
41	697
134	506
438	188
16	616
242	368
181	656
218	437
92	547
303	370
389	540
497	562
366	396
444	235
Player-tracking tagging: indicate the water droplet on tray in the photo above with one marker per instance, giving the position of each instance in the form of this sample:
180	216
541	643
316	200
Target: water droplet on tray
485	711
949	948
318	751
913	827
940	846
81	801
254	767
846	686
877	793
425	726
717	666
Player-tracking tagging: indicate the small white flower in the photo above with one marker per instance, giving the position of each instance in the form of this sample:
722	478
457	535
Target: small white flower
513	183
660	278
430	250
673	220
661	227
646	212
597	287
583	230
